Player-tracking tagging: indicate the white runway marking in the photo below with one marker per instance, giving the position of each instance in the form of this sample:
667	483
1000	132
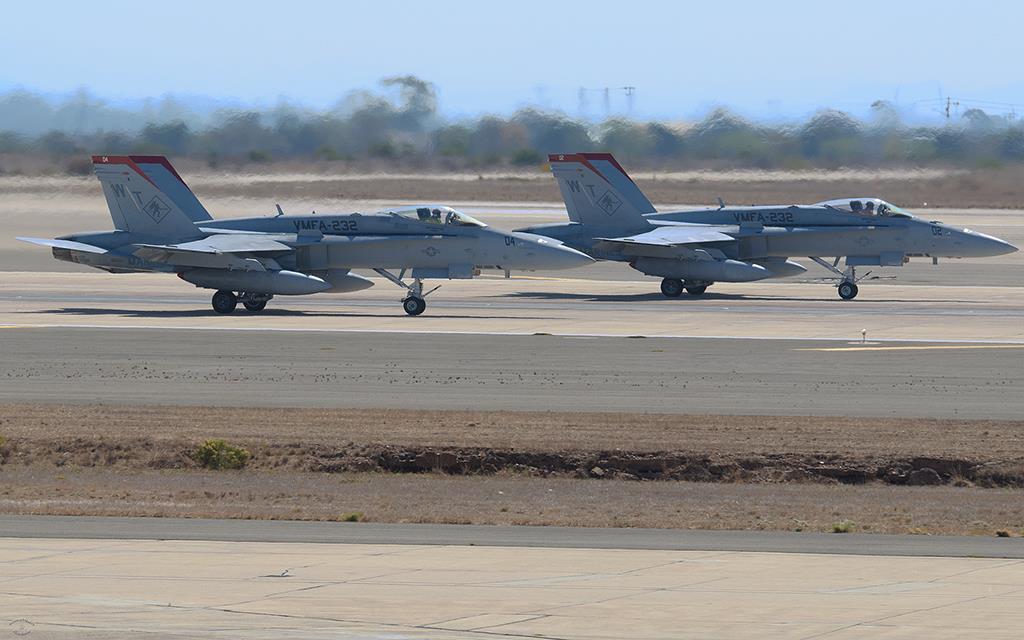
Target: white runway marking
683	336
920	347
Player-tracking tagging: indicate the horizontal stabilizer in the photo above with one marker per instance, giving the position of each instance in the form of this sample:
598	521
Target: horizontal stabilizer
230	251
176	258
671	236
227	243
64	244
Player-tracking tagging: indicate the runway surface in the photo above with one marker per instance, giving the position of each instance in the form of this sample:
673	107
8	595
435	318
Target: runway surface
104	528
525	372
529	305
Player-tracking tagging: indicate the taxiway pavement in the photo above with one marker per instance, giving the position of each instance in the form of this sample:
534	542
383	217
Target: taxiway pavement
122	588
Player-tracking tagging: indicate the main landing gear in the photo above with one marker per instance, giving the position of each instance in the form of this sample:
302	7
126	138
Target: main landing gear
415	302
674	287
225	301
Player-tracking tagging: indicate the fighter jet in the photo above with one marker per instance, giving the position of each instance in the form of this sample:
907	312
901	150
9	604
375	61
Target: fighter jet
160	226
611	219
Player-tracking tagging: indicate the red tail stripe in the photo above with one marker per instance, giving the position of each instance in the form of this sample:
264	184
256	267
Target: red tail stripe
161	160
125	160
577	157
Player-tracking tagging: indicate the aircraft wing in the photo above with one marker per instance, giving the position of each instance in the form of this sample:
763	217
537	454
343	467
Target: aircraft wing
666	241
64	244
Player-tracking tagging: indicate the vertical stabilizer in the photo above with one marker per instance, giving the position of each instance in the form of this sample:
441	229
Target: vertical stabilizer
137	205
598	193
162	173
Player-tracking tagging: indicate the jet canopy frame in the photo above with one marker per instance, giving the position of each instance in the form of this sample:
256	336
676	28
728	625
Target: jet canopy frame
866	207
436	214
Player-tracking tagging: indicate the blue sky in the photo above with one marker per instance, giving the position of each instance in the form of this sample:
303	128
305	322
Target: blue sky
766	59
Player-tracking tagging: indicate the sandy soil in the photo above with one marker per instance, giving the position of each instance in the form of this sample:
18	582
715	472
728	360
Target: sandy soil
510	499
549	431
519	468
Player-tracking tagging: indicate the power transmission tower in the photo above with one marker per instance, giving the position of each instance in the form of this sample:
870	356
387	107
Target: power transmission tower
950	103
606	98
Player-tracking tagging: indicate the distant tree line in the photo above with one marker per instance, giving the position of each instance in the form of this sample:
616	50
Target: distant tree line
402	125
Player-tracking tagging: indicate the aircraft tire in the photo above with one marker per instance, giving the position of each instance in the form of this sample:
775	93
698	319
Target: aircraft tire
224	301
697	291
672	287
255	306
848	290
414	306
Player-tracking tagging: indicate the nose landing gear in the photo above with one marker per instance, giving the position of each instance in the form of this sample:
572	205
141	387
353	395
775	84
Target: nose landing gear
847	290
414	306
415	303
848	279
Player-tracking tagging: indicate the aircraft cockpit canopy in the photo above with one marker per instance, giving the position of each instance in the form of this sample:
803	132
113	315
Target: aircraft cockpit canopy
867	207
436	214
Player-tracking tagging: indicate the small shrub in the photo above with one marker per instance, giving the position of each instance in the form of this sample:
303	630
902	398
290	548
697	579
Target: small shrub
217	454
843	526
355	516
1002	533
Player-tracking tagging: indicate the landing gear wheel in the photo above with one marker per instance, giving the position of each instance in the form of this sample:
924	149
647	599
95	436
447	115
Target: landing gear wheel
414	306
697	291
224	301
255	306
847	290
672	287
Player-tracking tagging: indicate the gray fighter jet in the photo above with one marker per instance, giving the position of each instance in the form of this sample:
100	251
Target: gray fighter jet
611	219
160	226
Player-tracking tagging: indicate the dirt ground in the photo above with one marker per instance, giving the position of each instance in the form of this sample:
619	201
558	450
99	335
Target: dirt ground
995	188
527	468
510	499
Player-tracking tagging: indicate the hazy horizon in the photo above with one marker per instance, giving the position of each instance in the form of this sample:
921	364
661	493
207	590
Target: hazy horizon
776	62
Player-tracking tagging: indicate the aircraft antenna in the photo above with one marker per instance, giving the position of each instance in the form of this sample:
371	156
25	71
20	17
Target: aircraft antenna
280	212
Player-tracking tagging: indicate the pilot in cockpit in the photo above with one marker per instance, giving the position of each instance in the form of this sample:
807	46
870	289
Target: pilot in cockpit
856	206
432	216
869	208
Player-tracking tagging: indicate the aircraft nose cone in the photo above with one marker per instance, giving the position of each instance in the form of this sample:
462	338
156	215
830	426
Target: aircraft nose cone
987	246
548	253
559	256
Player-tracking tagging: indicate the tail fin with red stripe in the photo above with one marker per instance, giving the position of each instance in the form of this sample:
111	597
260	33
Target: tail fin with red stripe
162	173
597	192
137	204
